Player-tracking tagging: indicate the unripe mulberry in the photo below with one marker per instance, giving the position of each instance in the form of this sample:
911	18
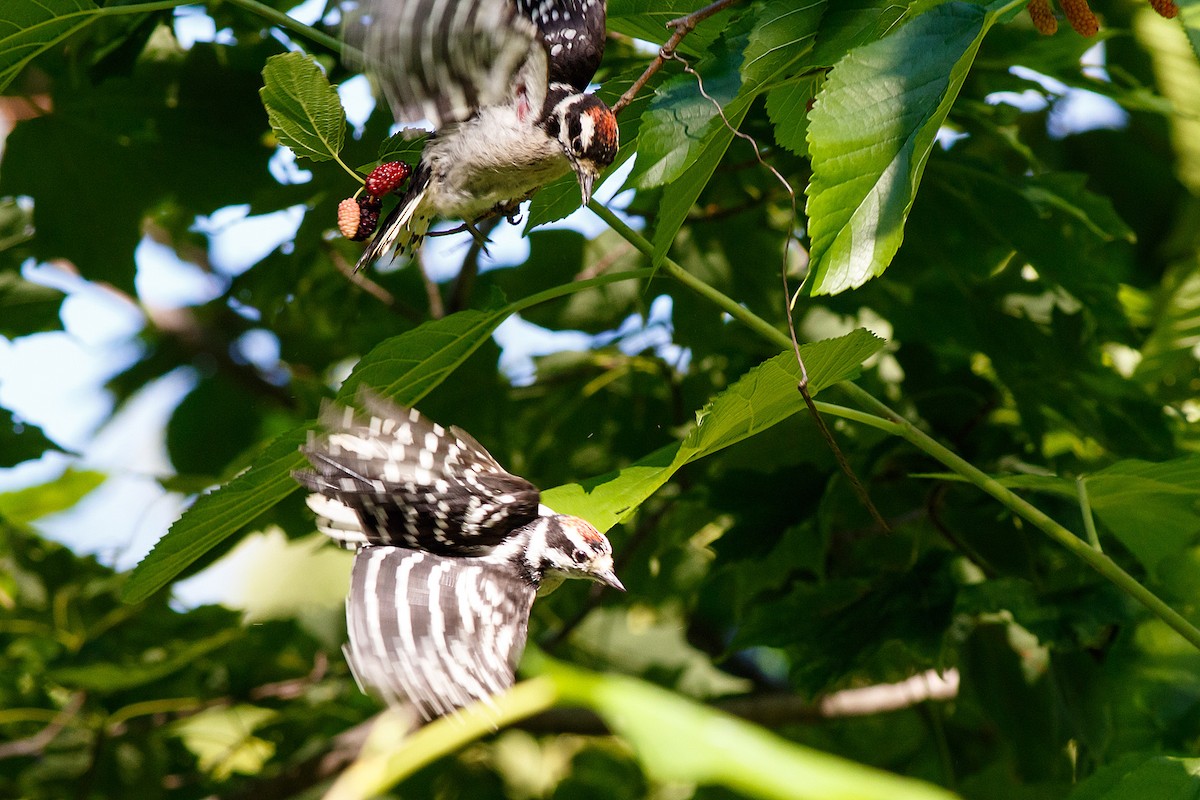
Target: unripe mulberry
357	219
1165	8
348	216
1043	18
1080	15
386	178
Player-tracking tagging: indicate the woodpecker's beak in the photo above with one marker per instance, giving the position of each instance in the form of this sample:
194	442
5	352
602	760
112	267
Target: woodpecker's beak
609	578
586	178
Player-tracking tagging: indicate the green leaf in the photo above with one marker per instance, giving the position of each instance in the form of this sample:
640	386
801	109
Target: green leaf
782	35
222	742
26	505
680	741
1154	509
20	441
870	133
760	399
1139	777
647	19
1170	350
304	110
403	146
787	106
29	28
218	515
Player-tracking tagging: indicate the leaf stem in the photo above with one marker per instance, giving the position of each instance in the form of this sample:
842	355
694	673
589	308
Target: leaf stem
294	25
1085	508
901	427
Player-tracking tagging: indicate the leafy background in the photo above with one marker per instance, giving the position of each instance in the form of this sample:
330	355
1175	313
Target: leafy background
1021	409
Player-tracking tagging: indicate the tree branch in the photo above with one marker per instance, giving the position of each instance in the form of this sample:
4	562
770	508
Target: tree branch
681	27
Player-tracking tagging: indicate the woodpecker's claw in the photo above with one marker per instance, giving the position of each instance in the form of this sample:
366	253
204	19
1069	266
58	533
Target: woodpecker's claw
480	238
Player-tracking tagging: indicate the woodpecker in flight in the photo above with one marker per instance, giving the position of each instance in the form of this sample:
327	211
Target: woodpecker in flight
502	82
451	551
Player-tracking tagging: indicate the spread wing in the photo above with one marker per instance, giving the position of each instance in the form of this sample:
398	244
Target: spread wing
574	33
442	60
436	631
398	478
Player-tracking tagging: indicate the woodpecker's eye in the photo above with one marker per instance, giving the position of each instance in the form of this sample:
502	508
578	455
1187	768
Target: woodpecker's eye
580	556
577	146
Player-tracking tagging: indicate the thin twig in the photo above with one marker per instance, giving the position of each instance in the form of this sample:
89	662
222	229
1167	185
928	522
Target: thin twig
372	288
38	742
437	308
681	27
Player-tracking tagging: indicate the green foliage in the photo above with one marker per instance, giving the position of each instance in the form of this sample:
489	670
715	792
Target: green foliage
1013	381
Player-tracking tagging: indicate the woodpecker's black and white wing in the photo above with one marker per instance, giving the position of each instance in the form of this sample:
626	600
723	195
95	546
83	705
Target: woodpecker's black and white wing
396	478
442	60
574	32
439	632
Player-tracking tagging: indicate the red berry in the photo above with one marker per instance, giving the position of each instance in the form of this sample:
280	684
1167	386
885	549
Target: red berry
386	178
368	207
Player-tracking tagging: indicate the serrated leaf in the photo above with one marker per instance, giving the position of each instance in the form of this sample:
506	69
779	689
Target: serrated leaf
760	399
787	107
29	28
403	369
870	133
26	505
302	107
216	516
1170	349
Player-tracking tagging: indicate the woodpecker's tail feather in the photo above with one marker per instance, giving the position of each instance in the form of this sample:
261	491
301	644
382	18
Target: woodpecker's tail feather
402	232
438	632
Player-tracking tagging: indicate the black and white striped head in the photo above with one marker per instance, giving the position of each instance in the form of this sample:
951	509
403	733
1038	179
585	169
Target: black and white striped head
561	546
587	130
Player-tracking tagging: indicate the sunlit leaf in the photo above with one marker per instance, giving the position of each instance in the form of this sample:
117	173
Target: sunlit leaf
870	133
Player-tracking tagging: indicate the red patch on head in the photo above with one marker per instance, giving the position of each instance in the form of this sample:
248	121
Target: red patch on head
586	531
604	122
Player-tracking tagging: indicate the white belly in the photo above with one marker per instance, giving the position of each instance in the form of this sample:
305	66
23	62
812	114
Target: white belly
487	161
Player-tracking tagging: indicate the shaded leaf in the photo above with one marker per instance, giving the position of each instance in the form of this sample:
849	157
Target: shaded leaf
1154	509
29	28
20	441
1137	777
